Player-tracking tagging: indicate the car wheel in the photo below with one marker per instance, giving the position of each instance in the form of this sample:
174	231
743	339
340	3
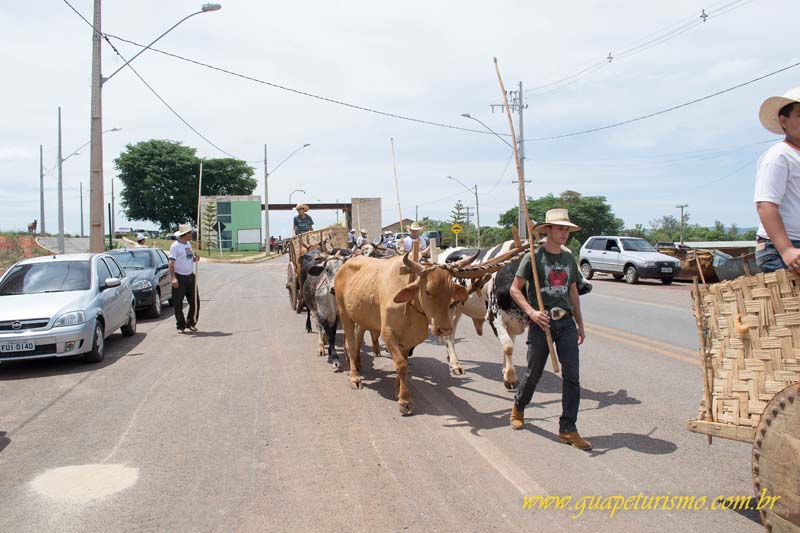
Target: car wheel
155	309
129	329
98	345
631	275
586	270
617	276
666	281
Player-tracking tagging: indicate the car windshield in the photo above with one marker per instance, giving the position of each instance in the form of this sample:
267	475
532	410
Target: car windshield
134	260
637	245
58	276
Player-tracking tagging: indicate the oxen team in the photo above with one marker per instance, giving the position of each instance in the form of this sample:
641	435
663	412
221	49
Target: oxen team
402	301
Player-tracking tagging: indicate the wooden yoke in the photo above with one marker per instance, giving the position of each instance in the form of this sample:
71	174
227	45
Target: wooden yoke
528	221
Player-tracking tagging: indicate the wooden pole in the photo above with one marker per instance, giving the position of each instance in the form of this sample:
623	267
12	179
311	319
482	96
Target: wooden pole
396	186
708	378
528	221
199	187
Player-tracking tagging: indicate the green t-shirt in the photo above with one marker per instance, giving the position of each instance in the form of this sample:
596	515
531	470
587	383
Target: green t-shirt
556	273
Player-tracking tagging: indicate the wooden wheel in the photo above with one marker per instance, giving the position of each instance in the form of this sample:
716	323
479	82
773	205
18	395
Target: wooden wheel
776	460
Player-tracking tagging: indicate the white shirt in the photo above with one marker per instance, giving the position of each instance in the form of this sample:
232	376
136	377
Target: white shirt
408	243
183	256
778	182
361	240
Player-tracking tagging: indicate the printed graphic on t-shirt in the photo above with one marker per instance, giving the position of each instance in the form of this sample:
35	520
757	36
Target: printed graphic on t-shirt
555	280
189	255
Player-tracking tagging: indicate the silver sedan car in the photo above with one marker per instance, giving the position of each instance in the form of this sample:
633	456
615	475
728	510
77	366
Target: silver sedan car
63	305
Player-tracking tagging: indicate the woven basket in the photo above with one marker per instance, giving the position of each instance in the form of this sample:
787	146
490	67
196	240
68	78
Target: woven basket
749	331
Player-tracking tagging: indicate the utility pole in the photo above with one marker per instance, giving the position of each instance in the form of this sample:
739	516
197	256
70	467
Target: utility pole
41	190
416	213
60	190
96	229
112	221
266	200
517	103
82	235
478	215
468	217
681	207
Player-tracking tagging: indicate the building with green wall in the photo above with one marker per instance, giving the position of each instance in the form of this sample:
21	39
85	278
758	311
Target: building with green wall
241	216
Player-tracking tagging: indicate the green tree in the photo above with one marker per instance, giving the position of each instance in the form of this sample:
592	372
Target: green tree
636	231
159	180
592	213
457	215
209	220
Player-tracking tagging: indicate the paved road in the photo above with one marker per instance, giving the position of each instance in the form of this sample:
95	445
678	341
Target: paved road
243	427
72	245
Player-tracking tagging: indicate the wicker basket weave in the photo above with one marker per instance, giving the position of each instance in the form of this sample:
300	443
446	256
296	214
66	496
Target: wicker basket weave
749	332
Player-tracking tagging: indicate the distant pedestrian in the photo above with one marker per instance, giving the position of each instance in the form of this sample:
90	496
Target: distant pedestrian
181	268
388	240
272	243
362	239
140	240
777	194
302	222
280	244
351	238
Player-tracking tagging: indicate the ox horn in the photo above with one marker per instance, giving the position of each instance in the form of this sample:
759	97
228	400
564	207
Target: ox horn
476	271
466	261
412	265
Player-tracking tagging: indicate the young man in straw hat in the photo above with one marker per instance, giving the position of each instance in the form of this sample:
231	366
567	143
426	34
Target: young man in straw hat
777	194
181	269
558	275
408	240
302	222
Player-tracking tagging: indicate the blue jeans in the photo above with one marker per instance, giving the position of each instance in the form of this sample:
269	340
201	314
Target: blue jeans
565	339
769	259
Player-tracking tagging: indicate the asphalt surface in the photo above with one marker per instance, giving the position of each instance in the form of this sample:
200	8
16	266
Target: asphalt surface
242	427
72	245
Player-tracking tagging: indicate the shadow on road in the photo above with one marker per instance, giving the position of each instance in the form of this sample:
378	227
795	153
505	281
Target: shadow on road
635	442
4	441
207	333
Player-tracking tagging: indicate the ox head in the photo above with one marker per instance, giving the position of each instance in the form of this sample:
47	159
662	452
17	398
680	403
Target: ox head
437	291
327	266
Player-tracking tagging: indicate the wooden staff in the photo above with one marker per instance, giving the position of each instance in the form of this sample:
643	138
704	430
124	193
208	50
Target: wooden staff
528	221
199	243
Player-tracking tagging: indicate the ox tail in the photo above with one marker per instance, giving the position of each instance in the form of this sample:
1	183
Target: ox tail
308	320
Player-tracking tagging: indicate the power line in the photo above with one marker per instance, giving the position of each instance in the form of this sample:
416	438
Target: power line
152	90
673	108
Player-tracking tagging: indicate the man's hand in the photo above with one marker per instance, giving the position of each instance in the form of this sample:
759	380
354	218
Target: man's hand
175	282
791	256
197	258
581	334
540	319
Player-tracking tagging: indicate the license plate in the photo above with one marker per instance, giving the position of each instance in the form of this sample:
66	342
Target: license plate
17	347
666	269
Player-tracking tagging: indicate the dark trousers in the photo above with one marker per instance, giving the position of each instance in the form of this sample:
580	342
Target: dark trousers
186	289
565	339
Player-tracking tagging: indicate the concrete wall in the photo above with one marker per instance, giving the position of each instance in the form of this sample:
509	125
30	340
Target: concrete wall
367	214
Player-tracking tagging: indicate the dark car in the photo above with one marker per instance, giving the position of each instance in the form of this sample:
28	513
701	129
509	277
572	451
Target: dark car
148	270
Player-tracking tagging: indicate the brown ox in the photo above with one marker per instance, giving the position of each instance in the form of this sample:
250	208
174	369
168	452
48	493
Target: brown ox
379	295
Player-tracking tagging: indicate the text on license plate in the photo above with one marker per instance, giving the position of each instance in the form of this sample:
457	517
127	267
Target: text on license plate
666	269
17	346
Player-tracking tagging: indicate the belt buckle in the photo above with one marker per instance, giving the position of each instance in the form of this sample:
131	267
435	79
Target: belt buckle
558	313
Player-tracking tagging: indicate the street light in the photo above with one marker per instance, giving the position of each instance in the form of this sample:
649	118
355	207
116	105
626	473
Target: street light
266	188
681	207
477	207
96	230
294	191
467	115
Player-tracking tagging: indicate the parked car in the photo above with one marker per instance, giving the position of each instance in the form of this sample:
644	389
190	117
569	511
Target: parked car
428	235
628	257
148	271
63	305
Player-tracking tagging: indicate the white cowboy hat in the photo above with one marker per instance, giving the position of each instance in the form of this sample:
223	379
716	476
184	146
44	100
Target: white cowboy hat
302	206
140	237
183	229
352	230
387	232
363	230
416	226
557	217
768	114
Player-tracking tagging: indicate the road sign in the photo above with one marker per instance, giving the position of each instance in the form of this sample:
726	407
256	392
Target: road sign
455	228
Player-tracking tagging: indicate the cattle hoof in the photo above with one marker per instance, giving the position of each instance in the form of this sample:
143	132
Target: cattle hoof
337	367
355	385
406	409
457	371
511	387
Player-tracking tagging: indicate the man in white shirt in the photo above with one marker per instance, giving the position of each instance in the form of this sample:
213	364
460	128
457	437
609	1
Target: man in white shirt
408	241
777	190
362	239
181	268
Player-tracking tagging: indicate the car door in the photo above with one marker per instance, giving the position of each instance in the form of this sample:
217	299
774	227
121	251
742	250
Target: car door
611	255
122	300
107	296
592	252
164	280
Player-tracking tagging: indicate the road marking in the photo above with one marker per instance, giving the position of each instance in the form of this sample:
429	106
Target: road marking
639	302
645	343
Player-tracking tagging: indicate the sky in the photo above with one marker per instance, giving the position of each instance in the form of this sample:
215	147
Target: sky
430	61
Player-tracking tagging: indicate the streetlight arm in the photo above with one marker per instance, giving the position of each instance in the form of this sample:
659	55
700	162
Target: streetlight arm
459	182
105	79
287	158
467	115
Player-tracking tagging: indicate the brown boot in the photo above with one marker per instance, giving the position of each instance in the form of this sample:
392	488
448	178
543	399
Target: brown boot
517	417
573	438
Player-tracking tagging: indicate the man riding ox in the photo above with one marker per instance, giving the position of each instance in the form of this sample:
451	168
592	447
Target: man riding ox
399	303
490	299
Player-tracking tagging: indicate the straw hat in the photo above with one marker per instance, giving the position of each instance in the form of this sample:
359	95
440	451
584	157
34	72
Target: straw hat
387	232
183	229
557	217
768	114
363	230
416	226
301	206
